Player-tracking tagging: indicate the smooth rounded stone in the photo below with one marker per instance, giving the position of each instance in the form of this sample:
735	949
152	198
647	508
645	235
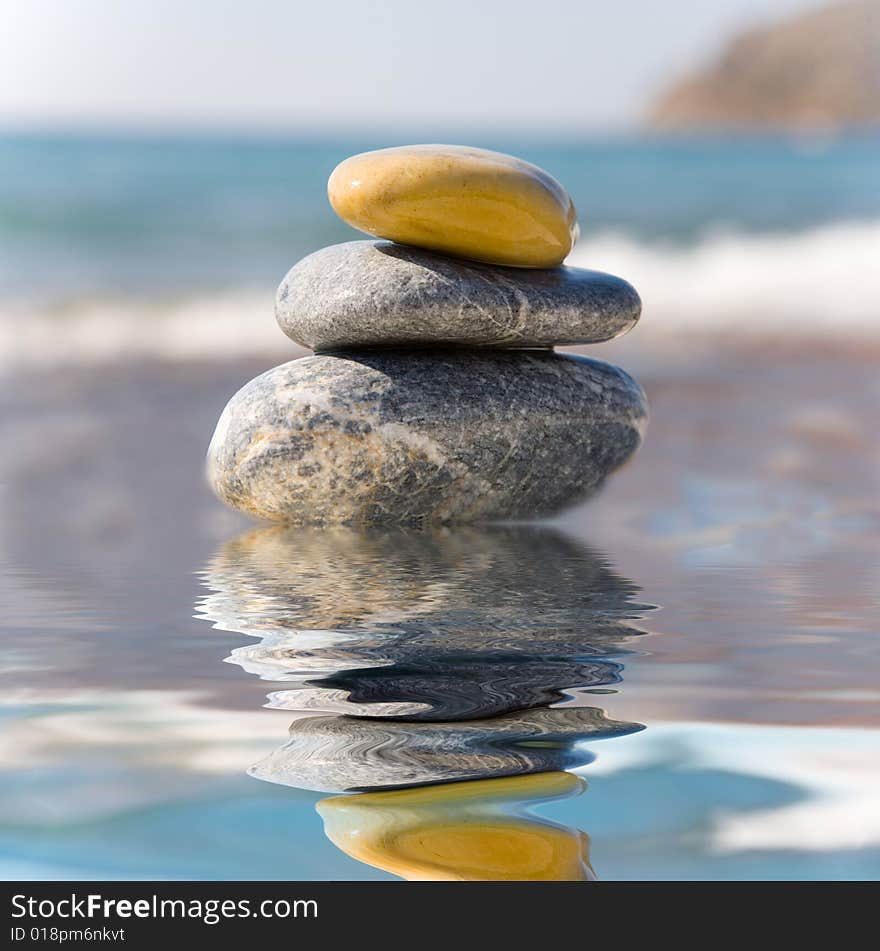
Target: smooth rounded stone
345	754
409	437
458	200
480	830
373	293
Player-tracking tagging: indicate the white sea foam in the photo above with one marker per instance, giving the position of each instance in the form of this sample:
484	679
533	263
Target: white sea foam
825	279
822	280
197	327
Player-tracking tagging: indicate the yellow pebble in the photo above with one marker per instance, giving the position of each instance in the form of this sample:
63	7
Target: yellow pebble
469	831
470	203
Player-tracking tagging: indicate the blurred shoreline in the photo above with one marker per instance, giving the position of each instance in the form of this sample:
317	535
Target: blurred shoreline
52	348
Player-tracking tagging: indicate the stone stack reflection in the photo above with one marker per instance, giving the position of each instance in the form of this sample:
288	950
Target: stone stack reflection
423	659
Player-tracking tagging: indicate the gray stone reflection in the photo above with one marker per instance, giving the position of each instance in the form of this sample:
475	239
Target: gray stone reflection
425	657
344	754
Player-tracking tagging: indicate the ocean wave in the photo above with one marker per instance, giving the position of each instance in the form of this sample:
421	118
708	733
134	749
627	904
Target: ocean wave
826	278
822	280
197	327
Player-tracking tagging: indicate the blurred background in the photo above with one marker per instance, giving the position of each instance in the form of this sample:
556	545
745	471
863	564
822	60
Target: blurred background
163	164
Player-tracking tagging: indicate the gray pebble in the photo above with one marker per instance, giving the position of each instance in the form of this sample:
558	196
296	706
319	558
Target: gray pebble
375	293
412	436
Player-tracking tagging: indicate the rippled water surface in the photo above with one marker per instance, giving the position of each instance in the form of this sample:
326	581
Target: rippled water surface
678	679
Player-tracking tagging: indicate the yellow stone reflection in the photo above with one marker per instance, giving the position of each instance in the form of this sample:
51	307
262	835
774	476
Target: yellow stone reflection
469	831
463	201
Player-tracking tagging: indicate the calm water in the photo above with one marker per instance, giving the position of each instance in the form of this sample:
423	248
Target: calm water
698	644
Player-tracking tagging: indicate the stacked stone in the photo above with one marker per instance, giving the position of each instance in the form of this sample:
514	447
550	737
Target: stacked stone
434	394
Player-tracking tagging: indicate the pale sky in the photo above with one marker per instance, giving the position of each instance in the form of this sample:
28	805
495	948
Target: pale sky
546	65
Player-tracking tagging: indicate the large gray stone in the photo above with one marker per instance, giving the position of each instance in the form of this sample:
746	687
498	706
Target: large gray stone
412	436
374	293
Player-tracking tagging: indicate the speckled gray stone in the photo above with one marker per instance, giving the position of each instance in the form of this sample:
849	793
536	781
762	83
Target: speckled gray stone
344	754
375	293
412	436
